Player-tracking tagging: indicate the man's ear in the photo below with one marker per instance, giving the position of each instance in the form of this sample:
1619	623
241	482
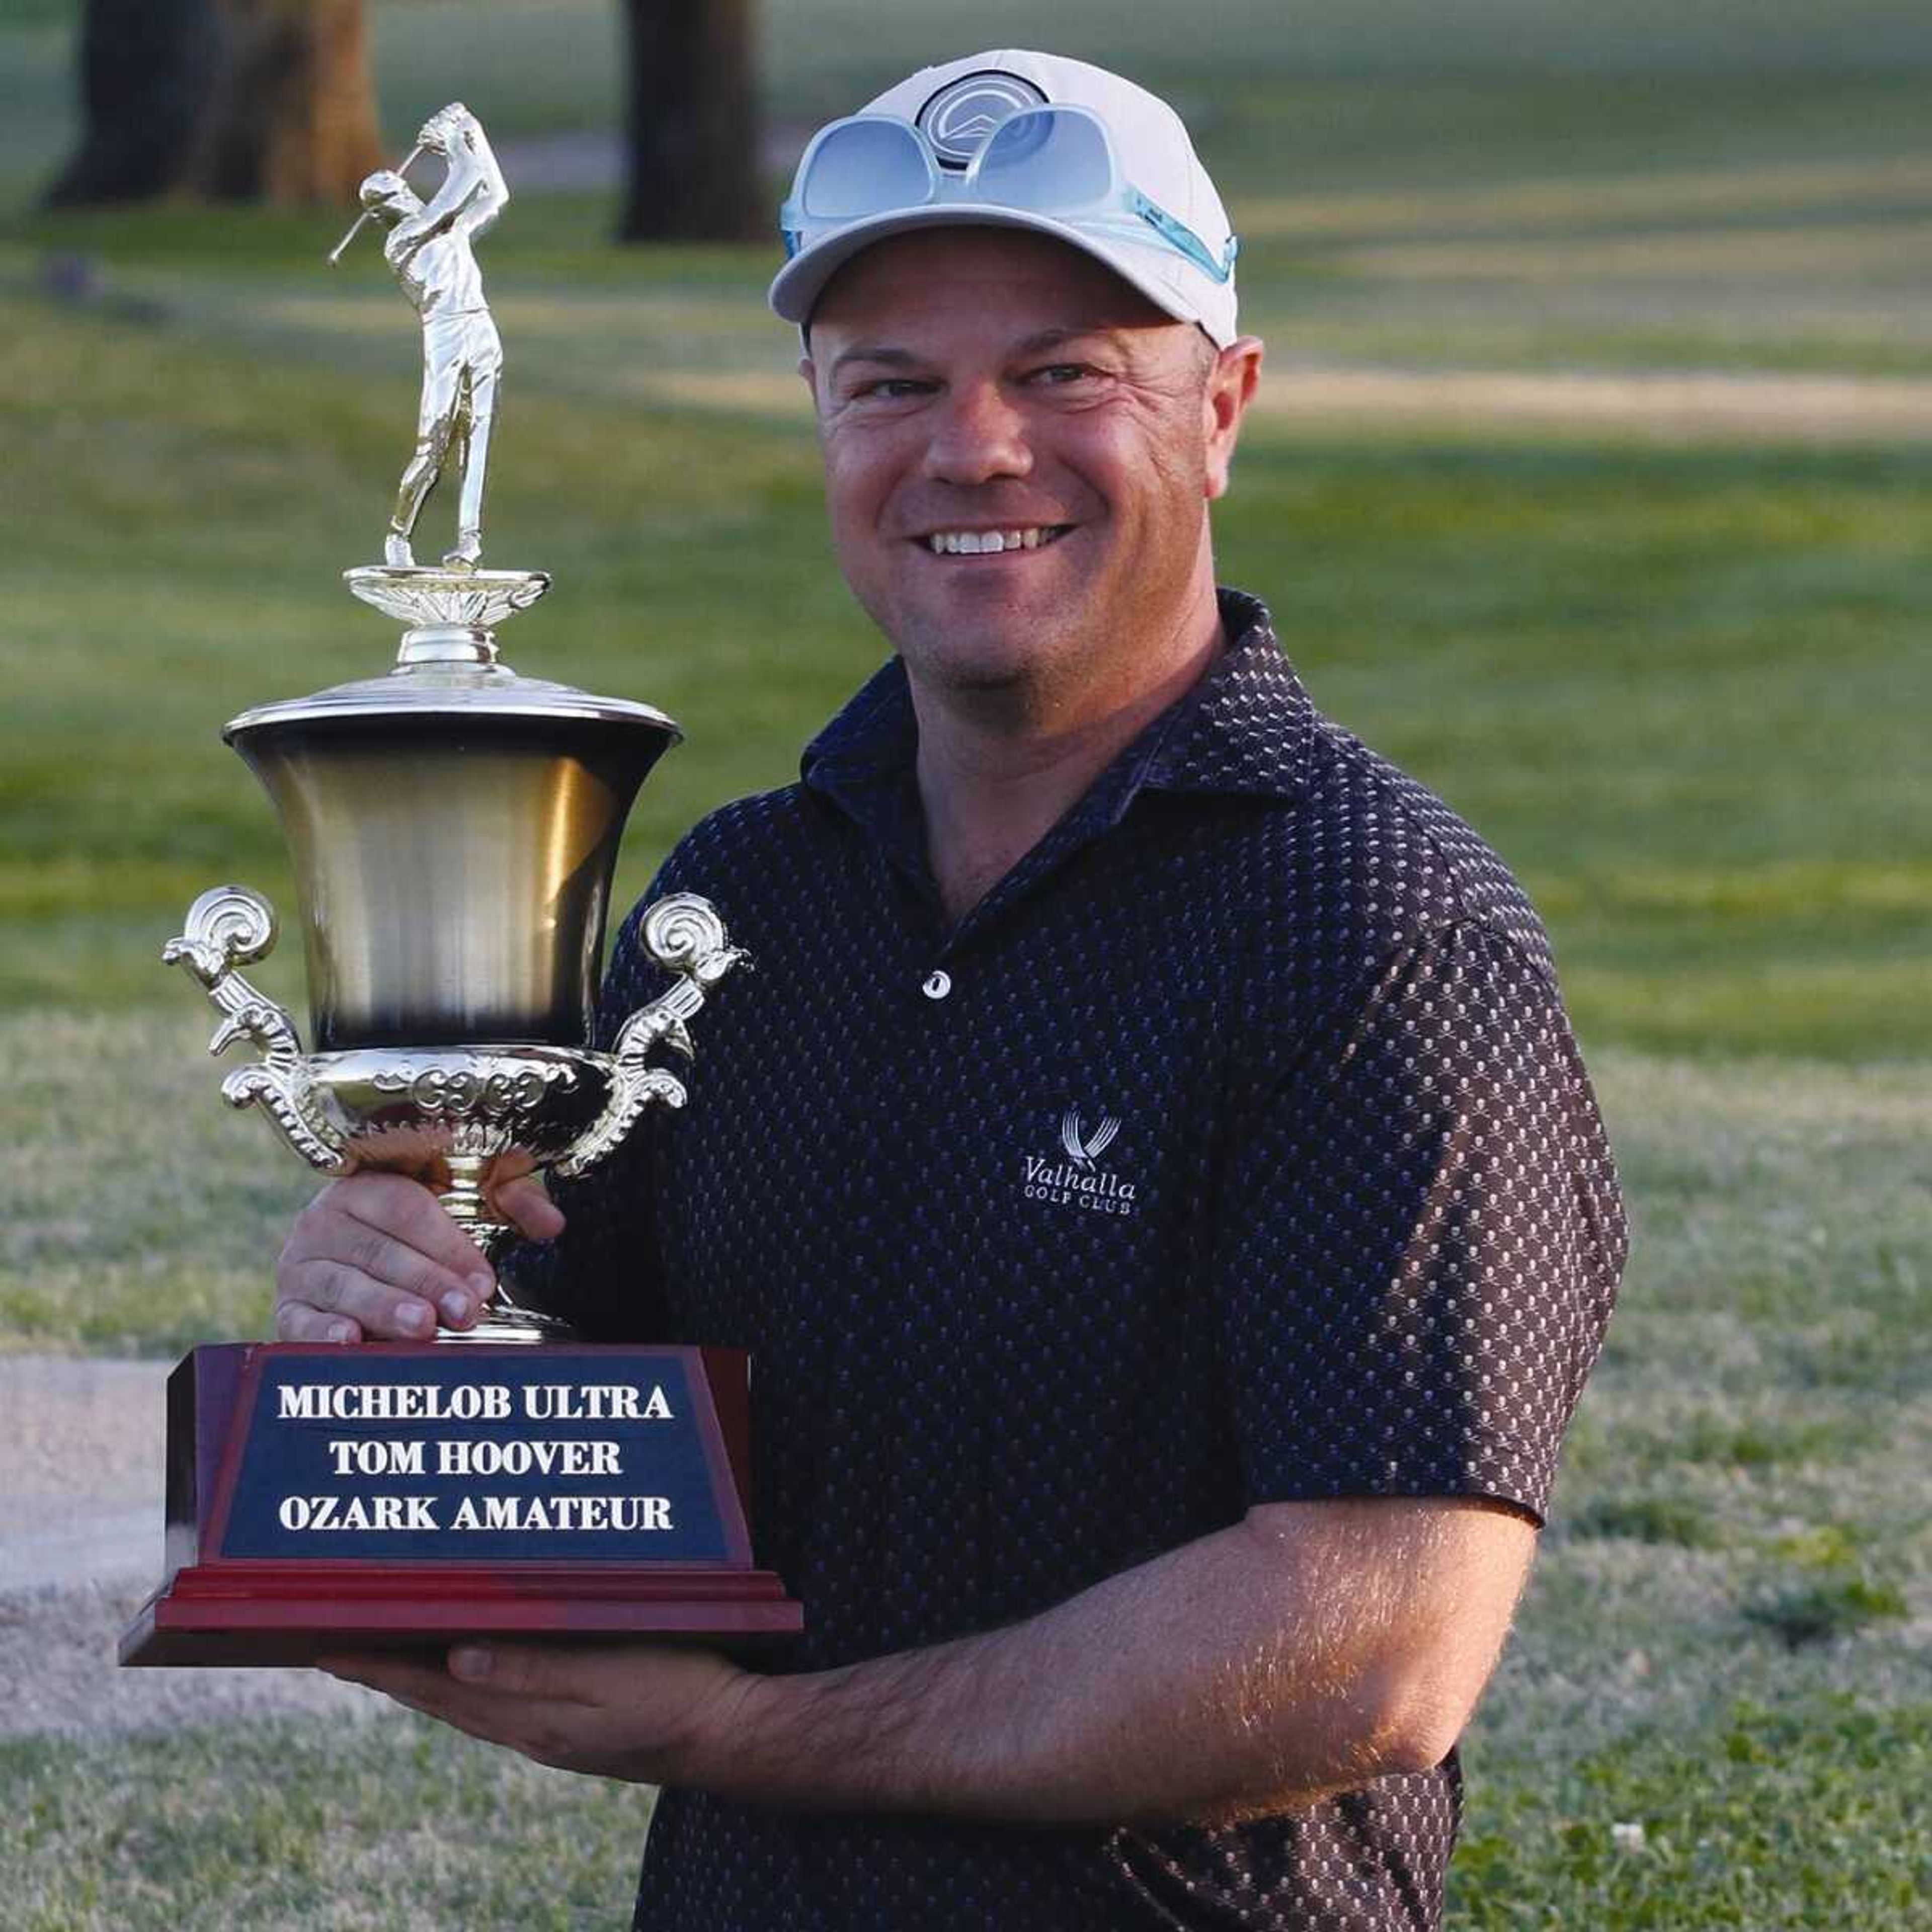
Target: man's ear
808	370
1225	396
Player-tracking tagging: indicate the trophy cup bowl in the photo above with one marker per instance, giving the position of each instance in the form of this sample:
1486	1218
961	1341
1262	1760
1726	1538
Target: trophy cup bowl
453	828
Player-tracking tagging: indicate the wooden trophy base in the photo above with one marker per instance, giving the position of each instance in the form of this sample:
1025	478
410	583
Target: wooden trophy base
323	1500
257	1615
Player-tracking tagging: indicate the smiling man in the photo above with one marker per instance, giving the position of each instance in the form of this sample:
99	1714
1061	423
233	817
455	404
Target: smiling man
1150	1169
1019	449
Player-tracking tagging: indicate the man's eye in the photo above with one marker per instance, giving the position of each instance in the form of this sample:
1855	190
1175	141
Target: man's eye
1057	375
893	389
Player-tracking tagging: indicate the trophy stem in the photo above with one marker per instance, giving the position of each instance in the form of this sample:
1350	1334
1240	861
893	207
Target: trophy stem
469	1207
504	1319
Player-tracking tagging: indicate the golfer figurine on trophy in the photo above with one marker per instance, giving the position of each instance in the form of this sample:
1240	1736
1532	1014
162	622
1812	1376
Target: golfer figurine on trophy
453	828
431	247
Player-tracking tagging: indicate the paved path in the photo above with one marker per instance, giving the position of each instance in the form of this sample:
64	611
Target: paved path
80	1548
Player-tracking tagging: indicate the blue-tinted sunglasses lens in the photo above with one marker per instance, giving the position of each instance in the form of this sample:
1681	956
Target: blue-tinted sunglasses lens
1045	161
863	167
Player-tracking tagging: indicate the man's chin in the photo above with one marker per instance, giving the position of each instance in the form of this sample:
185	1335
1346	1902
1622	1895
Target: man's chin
960	659
976	637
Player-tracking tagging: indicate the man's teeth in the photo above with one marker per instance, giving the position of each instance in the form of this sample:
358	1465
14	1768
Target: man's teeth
975	543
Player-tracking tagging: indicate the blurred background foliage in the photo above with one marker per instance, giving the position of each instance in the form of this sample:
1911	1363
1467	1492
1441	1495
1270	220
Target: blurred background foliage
1593	487
1592	481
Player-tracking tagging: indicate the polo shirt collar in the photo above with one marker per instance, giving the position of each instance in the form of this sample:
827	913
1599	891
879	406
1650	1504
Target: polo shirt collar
1245	728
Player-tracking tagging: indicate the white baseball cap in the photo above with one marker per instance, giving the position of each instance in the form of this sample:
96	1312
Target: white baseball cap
1117	178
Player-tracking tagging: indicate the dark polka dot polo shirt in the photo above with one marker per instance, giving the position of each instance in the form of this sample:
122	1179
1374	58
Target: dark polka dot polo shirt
1234	1149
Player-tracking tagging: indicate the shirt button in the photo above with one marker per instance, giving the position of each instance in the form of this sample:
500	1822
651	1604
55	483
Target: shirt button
938	986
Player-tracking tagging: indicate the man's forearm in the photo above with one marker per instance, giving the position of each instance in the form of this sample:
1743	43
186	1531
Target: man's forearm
1212	1682
1314	1647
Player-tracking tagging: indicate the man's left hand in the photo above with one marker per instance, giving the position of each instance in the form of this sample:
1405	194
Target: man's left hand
650	1713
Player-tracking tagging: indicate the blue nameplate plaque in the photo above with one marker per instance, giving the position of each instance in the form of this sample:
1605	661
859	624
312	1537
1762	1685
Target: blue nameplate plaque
547	1456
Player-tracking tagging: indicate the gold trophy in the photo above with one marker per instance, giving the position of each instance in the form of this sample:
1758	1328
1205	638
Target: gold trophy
453	827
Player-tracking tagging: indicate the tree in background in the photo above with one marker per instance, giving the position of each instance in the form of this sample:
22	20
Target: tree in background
692	150
271	100
231	100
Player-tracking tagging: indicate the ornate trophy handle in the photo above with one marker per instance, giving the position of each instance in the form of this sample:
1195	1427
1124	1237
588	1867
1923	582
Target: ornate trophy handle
683	934
228	926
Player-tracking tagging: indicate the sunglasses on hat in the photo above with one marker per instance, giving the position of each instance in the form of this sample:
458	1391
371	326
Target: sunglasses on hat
1056	161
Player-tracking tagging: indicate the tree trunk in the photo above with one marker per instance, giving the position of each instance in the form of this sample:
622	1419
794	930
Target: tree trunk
148	69
295	118
230	99
692	146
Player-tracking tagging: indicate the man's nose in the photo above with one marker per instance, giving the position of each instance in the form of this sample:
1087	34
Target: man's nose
978	434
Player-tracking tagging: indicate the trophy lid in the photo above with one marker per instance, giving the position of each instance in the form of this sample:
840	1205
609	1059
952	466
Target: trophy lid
447	665
471	692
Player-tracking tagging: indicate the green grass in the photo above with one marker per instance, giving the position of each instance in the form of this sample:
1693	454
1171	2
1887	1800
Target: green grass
1650	1519
394	1826
1810	1814
1766	1818
1679	680
1817	1613
1714	656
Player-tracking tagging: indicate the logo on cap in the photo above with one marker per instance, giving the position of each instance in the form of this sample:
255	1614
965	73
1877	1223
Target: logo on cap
960	116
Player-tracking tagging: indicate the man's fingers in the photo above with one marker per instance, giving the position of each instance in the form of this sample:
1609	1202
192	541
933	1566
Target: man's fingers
379	1252
394	1675
567	1676
527	1204
406	1211
383	1313
297	1321
398	1264
560	1673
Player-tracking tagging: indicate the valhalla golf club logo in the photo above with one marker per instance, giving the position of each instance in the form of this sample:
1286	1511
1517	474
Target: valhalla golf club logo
1078	1180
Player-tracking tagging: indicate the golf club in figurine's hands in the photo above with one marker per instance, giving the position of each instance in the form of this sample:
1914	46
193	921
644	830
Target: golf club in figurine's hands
453	827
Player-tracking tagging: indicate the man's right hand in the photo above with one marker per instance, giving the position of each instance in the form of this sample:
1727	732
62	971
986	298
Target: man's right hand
375	1258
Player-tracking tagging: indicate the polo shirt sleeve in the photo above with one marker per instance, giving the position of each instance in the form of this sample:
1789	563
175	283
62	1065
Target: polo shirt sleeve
1421	1240
602	1273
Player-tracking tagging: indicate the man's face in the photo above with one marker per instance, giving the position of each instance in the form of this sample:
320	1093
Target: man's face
980	383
